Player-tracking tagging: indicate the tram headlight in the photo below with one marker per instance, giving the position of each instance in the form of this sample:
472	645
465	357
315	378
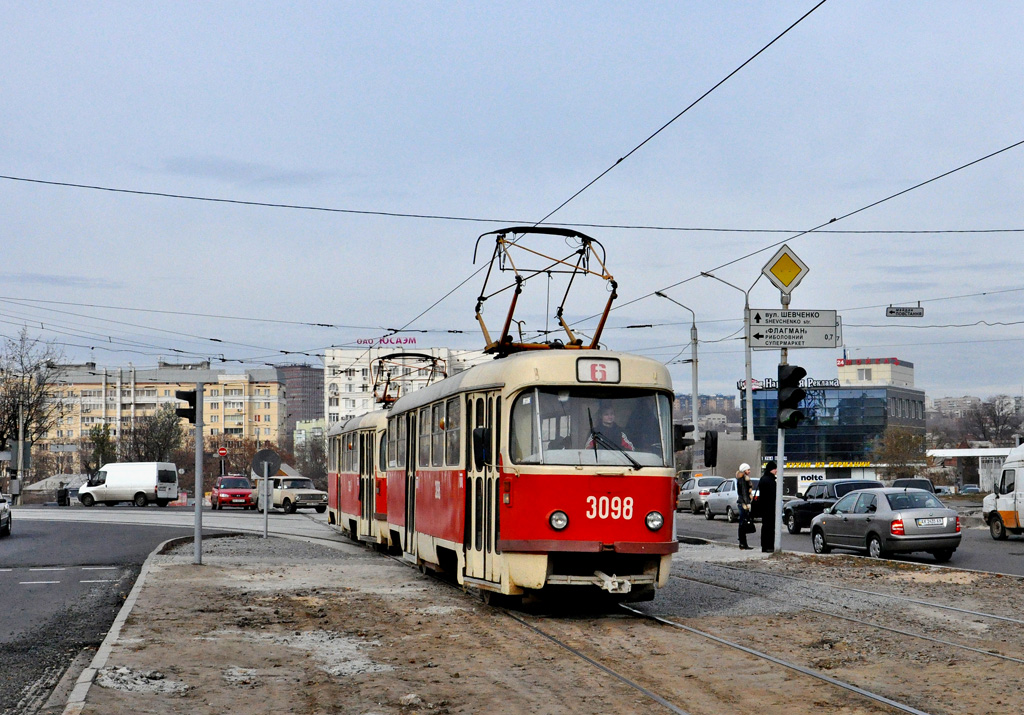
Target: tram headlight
655	521
558	520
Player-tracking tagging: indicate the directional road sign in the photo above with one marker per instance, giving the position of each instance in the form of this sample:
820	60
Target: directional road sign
771	329
896	311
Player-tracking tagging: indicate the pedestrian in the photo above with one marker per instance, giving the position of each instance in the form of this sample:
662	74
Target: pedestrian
743	500
766	506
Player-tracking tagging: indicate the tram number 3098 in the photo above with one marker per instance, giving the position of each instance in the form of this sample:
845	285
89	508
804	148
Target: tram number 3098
610	508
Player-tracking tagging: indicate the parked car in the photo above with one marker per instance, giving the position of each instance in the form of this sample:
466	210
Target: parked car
797	514
970	489
5	515
694	493
724	500
141	483
888	520
291	493
915	483
232	490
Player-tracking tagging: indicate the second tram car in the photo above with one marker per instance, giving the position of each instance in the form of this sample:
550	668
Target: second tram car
541	469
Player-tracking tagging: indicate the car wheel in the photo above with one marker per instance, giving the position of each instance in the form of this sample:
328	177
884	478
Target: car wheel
818	540
321	509
6	531
997	528
875	549
791	526
943	555
694	509
289	507
87	500
730	515
707	512
140	499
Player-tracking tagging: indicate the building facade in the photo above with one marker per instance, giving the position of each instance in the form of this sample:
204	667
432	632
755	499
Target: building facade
844	417
304	387
349	374
242	406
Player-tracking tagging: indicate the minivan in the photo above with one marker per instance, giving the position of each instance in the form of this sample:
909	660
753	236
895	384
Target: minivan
137	482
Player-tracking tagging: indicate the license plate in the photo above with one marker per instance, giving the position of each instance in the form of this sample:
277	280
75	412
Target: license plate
238	501
930	522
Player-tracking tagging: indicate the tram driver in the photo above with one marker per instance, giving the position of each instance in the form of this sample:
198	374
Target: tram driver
608	426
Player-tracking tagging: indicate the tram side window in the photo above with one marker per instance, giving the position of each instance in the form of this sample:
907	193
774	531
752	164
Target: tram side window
392	444
423	455
452	425
437	435
403	442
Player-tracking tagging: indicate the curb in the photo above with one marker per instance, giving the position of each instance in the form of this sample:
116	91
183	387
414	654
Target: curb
77	698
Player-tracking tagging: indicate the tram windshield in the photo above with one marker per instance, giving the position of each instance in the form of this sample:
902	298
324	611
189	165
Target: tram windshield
588	426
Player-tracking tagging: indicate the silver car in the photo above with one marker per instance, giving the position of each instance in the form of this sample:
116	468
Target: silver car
694	493
886	521
724	500
5	516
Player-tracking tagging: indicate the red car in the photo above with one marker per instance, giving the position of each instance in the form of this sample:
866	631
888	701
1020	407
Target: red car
232	490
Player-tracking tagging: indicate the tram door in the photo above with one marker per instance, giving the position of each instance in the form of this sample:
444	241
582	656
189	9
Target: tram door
366	485
480	537
410	486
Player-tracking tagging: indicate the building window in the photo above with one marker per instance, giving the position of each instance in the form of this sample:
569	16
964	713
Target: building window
214	393
864	373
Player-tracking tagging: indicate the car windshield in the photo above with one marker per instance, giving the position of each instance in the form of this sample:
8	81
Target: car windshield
238	483
298	484
848	487
913	500
587	426
710	481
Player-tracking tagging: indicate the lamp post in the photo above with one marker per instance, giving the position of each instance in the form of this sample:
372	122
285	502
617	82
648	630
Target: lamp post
748	387
693	343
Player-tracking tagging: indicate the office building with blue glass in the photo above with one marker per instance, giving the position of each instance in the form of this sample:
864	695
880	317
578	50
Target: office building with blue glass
845	416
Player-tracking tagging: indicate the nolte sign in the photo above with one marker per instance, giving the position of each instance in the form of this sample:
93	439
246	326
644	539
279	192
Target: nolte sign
772	329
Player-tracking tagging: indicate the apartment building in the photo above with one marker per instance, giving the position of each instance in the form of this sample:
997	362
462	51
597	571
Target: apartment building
240	405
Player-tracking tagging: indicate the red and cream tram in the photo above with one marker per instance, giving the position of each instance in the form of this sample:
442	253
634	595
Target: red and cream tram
536	470
357	480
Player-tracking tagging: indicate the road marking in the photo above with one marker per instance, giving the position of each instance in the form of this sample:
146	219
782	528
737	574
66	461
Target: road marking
32	583
99	568
48	568
100	580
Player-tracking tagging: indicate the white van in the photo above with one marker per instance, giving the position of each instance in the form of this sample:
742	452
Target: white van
136	482
1004	508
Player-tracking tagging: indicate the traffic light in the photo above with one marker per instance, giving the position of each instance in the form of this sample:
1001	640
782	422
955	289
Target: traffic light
189	412
681	441
711	448
790	396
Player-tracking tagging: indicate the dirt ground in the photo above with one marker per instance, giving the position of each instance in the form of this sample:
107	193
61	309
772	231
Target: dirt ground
286	627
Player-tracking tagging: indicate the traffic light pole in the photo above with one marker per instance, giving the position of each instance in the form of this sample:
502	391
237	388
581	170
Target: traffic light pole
780	458
198	537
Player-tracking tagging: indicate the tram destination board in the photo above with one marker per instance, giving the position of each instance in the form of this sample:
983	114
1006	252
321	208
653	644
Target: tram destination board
771	329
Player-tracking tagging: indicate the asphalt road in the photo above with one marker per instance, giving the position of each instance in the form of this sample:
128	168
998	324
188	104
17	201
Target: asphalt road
63	585
978	550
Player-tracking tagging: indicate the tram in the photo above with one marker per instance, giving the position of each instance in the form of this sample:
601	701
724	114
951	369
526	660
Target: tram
357	479
506	477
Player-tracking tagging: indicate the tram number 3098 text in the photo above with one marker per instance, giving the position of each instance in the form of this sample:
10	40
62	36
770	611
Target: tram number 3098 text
610	508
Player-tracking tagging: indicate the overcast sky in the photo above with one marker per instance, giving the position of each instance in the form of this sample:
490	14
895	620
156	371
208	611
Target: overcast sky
500	113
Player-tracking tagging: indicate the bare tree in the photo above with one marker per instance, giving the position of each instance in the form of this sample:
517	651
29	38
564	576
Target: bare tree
993	420
311	460
29	371
901	450
103	449
153	439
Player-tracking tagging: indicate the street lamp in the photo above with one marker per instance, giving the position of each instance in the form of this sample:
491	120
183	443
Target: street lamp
693	343
748	386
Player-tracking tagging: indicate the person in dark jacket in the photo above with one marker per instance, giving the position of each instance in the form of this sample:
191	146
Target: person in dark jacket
744	494
766	506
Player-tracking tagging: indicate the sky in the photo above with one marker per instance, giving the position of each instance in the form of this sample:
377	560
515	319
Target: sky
273	179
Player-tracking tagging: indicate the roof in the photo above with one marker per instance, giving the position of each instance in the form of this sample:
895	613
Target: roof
51	483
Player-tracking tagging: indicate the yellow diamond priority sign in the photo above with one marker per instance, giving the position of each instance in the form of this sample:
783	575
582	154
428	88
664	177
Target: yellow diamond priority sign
785	270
